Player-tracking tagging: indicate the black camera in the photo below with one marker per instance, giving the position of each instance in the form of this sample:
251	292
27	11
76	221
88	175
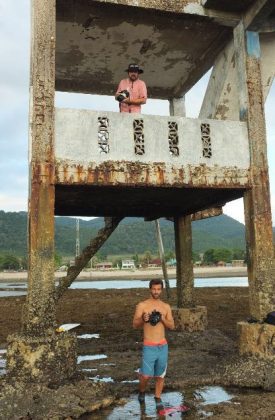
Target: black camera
123	94
154	318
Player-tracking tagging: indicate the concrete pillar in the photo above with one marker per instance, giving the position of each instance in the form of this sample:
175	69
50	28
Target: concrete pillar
257	207
187	316
40	308
183	237
185	277
39	354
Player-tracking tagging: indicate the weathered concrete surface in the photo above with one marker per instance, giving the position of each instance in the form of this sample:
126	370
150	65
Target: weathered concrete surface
190	319
256	340
221	97
50	359
258	221
97	40
77	131
138	200
39	402
39	314
183	248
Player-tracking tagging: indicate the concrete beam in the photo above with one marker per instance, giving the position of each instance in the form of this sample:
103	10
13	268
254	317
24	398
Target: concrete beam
218	78
187	7
200	215
221	97
257	14
257	199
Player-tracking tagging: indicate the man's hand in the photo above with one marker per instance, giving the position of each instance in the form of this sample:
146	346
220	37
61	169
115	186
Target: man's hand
126	101
146	316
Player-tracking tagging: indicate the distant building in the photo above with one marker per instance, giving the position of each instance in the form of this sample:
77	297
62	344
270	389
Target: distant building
172	262
128	265
238	263
221	264
197	263
105	265
155	263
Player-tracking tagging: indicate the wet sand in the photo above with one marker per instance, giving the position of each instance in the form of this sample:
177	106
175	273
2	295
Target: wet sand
195	358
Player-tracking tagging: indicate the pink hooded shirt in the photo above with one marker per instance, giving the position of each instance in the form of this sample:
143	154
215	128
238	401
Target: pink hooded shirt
136	89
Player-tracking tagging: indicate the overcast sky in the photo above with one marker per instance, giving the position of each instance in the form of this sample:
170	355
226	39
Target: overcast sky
14	79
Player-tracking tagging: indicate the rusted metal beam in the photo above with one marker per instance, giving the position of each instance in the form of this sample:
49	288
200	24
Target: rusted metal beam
257	199
39	313
88	252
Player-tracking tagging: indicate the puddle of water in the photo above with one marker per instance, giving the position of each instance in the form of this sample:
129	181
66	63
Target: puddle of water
7	293
87	336
135	381
91	357
133	410
2	363
212	395
89	369
3	351
107	364
97	378
3	372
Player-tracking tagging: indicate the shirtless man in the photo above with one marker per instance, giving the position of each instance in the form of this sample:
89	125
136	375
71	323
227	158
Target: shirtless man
155	347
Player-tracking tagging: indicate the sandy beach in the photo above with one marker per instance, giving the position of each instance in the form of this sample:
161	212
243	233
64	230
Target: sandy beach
199	272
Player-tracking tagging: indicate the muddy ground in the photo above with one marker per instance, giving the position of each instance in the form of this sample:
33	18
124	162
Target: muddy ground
195	358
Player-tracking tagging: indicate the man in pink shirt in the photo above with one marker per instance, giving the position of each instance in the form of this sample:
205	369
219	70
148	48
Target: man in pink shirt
136	94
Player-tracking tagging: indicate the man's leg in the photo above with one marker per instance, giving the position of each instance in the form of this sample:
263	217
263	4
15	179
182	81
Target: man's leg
143	380
159	387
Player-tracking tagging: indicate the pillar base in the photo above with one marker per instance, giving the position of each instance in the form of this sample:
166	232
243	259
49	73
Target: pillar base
190	319
49	359
256	340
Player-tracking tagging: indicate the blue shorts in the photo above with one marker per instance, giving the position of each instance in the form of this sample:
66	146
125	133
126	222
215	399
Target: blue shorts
154	360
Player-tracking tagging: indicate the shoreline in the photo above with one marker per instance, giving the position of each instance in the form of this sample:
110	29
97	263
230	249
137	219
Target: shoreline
199	272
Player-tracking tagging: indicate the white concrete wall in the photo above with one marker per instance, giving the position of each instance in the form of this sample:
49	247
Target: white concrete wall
76	139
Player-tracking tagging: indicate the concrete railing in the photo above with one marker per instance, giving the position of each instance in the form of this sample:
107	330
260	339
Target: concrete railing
87	136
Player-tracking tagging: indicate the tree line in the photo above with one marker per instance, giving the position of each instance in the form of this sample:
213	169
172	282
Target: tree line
210	257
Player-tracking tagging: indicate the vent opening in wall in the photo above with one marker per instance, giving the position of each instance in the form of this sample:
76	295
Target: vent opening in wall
173	138
138	126
206	140
103	134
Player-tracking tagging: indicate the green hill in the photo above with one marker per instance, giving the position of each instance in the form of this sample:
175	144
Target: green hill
133	235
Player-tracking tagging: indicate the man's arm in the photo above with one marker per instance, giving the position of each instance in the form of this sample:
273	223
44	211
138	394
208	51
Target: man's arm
139	101
168	320
138	317
119	89
142	97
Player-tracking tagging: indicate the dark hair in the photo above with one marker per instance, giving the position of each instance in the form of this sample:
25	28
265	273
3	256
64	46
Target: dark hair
155	282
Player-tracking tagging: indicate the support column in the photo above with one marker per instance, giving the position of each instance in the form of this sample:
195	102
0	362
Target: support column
187	316
185	276
258	219
258	222
39	353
